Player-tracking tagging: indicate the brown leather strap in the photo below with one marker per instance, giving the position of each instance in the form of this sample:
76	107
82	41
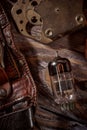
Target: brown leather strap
3	76
25	72
3	19
5	87
22	91
5	29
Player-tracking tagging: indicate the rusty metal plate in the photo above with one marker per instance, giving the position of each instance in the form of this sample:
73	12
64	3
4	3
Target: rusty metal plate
60	16
47	20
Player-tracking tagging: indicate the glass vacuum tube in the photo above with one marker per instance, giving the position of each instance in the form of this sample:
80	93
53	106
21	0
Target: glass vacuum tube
62	82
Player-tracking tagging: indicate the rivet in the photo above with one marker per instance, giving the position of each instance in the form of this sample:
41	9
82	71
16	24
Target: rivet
49	32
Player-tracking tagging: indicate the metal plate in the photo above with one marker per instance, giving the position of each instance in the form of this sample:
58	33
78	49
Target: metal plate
47	20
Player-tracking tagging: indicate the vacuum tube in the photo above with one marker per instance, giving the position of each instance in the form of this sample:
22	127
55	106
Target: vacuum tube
62	82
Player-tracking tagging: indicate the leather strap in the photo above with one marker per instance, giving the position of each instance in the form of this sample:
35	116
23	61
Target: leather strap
5	30
5	87
3	76
20	59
